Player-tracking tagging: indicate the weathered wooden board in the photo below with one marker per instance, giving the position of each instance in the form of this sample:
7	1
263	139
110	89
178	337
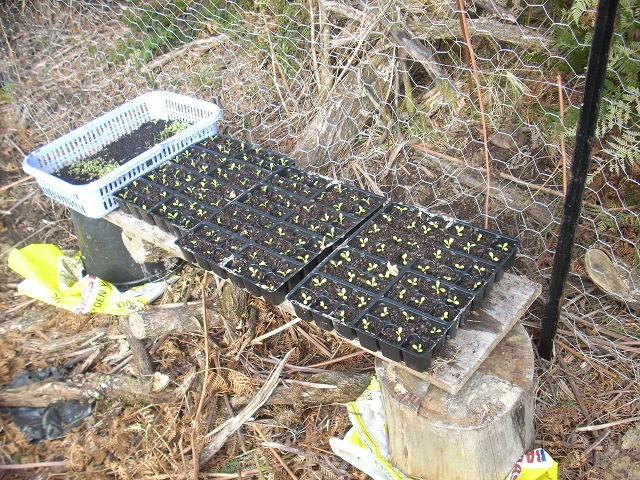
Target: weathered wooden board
149	233
507	302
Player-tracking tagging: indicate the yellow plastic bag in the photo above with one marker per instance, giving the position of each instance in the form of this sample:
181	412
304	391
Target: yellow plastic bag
535	465
365	445
56	279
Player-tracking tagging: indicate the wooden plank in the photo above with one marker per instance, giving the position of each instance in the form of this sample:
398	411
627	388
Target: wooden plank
508	301
149	233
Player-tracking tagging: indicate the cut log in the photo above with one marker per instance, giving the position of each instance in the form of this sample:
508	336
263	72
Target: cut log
478	433
316	389
160	321
90	386
139	355
230	305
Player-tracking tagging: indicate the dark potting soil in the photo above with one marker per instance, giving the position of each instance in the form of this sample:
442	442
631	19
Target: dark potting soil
129	146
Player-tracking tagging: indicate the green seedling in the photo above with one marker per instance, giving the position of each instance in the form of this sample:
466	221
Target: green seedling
453	300
346	255
448	242
467	248
494	257
384	312
342	293
365	324
417	348
413	281
438	254
436	286
435	330
371	282
503	246
318	281
374	228
479	268
399	334
255	271
351	277
459	230
407	316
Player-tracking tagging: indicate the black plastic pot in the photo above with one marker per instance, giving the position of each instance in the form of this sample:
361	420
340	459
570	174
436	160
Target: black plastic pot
105	256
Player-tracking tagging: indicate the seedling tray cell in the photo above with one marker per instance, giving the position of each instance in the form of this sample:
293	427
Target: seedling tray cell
224	145
329	302
299	182
200	160
95	199
264	158
210	246
403	334
271	200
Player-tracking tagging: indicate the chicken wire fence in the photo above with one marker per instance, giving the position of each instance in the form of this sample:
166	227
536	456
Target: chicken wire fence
469	111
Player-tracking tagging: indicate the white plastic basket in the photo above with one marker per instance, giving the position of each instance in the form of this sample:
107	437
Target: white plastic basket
94	199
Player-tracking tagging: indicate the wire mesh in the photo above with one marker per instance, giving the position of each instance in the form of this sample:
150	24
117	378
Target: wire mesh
385	95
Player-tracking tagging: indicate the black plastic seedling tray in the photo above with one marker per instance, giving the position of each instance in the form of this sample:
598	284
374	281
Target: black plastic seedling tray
289	237
433	268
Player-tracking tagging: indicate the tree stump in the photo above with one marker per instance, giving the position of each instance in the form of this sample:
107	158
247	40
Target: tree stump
478	433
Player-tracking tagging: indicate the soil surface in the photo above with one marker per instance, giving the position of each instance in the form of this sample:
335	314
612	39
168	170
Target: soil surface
117	153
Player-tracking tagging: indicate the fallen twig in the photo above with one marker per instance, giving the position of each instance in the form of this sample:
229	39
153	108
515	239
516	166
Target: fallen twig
593	428
17	182
26	466
224	431
205	381
275	454
274	331
485	136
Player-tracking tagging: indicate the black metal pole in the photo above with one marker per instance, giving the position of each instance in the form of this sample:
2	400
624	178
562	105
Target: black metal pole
594	83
